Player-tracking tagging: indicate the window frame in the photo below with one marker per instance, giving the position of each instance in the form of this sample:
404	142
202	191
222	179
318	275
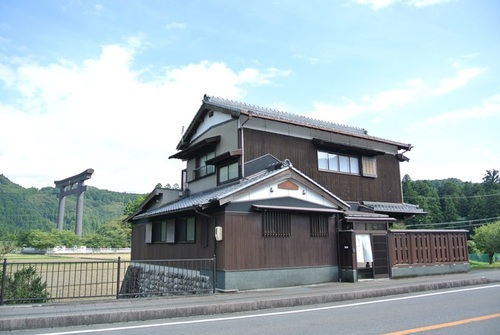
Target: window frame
369	167
202	169
172	231
335	162
229	177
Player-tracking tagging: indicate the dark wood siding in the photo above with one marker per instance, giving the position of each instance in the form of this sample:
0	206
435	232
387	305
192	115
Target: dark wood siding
303	155
202	248
246	248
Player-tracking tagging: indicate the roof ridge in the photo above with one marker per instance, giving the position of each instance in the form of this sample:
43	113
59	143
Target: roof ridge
286	115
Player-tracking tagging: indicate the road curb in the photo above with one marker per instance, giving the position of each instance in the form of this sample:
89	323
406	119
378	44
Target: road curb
214	307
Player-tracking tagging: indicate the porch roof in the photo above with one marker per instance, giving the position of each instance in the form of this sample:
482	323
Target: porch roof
226	193
396	208
204	198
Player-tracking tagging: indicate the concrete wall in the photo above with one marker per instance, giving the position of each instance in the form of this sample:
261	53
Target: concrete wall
271	278
400	272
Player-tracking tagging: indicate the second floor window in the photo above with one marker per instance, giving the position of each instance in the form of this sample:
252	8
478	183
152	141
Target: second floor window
338	163
228	172
202	169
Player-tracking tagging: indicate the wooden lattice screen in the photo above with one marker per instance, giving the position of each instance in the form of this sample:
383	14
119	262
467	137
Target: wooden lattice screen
428	247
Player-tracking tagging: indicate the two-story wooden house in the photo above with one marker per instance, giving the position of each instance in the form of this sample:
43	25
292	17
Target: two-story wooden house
295	200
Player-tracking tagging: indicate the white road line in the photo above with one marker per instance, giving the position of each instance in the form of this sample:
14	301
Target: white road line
307	310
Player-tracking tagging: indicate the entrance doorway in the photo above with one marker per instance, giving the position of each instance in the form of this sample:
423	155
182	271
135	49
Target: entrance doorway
364	256
372	256
363	251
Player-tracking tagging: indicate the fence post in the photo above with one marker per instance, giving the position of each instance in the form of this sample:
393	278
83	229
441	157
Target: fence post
4	280
118	279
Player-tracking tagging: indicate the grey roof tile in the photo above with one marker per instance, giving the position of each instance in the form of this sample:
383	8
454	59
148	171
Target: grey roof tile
297	119
394	207
208	196
279	115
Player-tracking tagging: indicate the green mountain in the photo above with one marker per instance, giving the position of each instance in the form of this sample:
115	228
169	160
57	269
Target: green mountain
32	208
452	203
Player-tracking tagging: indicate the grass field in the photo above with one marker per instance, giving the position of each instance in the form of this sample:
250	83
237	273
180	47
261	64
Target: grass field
484	266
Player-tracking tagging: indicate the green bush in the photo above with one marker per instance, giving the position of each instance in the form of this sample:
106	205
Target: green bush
487	239
471	245
25	287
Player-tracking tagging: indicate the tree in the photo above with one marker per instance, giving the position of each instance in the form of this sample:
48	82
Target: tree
9	243
114	234
409	192
133	205
41	240
428	199
491	177
66	238
487	238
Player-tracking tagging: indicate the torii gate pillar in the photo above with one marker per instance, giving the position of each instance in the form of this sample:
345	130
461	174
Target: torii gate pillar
72	185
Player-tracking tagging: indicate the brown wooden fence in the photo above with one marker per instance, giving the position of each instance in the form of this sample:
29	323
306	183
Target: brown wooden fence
427	247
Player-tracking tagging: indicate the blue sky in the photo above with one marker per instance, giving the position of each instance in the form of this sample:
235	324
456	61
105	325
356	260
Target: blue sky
109	85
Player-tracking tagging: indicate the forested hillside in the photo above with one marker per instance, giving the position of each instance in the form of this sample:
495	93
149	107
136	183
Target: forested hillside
452	203
32	208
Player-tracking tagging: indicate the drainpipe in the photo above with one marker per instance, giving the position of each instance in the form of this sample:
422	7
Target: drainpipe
214	220
243	145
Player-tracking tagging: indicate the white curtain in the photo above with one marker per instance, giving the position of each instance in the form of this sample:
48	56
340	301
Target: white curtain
363	248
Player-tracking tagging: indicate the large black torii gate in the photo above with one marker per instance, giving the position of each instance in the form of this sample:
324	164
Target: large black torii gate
68	186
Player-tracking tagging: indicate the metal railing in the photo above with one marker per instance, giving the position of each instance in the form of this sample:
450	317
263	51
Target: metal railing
39	282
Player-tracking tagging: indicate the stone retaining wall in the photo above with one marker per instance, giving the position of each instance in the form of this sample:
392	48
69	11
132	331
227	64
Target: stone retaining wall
147	281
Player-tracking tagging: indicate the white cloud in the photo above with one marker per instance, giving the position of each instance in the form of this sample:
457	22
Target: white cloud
383	101
377	103
176	26
100	115
409	92
6	75
378	4
309	59
462	78
256	77
459	61
489	107
424	3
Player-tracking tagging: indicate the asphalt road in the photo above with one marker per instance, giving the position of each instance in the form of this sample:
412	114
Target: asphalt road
470	310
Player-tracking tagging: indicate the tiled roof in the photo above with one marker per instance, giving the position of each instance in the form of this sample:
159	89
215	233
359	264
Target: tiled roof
208	196
204	198
279	115
388	207
300	120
